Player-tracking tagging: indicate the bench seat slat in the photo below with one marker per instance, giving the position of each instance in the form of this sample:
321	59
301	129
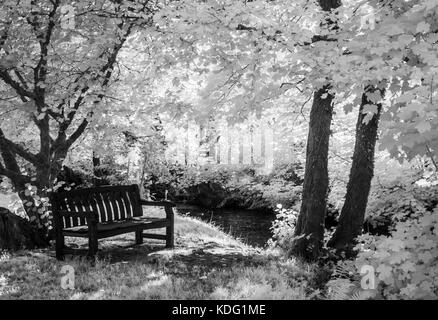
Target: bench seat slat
108	209
113	214
139	223
125	206
154	236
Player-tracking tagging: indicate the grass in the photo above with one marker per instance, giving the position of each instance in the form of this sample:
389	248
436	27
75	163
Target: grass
206	263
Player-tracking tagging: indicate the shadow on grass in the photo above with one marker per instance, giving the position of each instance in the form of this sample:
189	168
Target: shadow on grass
206	263
209	255
197	244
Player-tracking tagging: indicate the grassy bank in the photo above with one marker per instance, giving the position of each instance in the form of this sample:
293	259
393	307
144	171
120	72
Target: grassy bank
205	264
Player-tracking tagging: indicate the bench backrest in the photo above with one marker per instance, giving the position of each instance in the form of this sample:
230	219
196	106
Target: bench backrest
112	203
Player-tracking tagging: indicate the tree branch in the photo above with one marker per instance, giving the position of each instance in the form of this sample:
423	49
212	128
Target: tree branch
62	143
22	92
17	149
77	133
11	168
431	156
15	177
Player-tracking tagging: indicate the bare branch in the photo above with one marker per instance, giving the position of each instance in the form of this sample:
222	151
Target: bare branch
22	92
62	143
11	168
431	156
75	135
40	71
293	85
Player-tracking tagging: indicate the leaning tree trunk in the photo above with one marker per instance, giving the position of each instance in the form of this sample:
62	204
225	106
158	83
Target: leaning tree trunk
310	225
17	233
359	184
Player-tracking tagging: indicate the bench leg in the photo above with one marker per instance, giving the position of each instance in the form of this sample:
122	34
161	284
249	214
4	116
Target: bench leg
139	237
170	228
169	237
60	244
59	237
92	246
92	237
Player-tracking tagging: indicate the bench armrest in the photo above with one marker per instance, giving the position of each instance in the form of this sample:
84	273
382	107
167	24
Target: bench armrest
89	215
157	203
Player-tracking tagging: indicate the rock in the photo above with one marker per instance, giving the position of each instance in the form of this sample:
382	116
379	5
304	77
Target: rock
17	233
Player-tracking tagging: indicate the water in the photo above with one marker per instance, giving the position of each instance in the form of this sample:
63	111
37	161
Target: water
251	226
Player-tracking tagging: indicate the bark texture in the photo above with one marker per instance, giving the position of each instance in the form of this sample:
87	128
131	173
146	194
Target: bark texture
310	225
309	231
361	173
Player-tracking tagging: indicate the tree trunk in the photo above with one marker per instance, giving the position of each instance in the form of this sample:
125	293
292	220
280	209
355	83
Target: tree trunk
17	233
97	171
251	144
309	231
240	148
186	145
229	152
47	162
359	183
310	225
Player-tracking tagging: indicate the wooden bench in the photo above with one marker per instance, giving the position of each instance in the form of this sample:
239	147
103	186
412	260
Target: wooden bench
102	212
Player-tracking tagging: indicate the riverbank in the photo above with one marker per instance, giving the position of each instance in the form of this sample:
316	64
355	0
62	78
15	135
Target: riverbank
252	227
240	187
206	263
257	196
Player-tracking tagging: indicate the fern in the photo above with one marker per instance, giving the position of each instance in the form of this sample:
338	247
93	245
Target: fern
345	283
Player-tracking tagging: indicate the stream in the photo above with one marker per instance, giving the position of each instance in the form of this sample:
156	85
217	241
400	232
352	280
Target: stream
250	226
